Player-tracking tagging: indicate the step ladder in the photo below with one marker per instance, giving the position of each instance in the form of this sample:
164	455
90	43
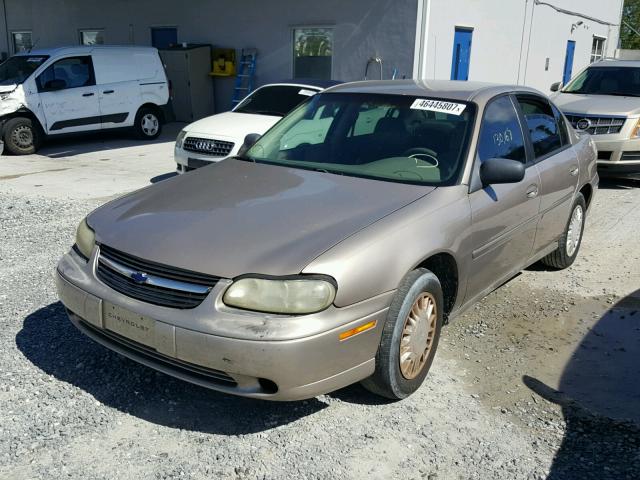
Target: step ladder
246	72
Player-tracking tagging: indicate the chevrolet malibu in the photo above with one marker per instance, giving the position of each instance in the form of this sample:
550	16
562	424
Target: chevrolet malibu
315	261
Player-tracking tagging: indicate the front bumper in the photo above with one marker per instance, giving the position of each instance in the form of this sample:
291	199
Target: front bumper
618	158
242	353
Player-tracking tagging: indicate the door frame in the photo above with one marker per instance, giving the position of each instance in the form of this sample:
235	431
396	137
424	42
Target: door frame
455	60
566	79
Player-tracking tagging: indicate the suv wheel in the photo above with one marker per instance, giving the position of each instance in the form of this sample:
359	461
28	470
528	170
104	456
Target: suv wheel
409	338
22	136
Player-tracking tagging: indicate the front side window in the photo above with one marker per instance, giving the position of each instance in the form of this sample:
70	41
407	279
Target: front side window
22	42
17	69
597	49
71	72
385	137
600	80
542	125
312	52
501	135
91	37
277	100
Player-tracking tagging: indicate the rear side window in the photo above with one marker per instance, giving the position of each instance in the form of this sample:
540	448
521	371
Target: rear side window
74	72
543	127
501	135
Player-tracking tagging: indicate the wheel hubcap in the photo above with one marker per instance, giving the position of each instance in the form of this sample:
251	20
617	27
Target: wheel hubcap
150	124
417	335
22	136
575	230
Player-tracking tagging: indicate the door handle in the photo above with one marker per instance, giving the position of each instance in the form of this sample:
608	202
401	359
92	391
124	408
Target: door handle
107	92
532	191
574	171
87	94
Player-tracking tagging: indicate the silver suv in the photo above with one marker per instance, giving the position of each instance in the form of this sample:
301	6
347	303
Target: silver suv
604	100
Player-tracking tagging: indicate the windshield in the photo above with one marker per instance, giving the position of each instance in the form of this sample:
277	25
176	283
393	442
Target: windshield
276	101
17	69
623	81
386	137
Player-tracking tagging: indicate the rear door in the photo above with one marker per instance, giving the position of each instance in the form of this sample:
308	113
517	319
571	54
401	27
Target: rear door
68	95
504	217
557	164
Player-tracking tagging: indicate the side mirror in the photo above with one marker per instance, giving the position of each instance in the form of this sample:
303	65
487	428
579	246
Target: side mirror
55	84
555	86
501	170
249	141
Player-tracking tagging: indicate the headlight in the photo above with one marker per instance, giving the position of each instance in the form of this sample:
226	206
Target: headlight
635	133
288	296
85	238
180	138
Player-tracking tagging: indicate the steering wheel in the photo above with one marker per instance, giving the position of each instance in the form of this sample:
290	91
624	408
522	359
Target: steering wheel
425	154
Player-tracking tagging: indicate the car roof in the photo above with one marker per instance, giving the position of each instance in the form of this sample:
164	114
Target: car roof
610	62
446	89
83	49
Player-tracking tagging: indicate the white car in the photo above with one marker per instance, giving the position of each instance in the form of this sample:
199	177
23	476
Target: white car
214	138
77	89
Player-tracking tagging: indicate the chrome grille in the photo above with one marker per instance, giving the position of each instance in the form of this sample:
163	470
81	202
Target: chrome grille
207	146
152	282
597	125
151	355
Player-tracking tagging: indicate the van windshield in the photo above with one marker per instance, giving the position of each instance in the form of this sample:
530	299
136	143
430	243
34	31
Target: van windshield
394	138
17	69
619	81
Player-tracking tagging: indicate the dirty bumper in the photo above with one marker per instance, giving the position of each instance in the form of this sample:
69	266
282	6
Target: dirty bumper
263	357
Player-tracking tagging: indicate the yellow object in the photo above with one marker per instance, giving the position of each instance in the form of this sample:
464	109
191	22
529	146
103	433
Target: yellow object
357	330
224	62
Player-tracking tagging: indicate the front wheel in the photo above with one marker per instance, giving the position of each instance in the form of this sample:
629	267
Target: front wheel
409	337
22	136
147	124
571	239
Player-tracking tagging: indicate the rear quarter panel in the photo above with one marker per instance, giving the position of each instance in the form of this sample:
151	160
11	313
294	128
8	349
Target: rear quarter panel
376	259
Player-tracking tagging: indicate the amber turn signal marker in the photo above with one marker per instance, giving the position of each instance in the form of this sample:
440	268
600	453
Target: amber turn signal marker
354	331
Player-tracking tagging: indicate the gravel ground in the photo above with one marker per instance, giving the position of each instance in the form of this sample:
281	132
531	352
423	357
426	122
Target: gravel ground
539	381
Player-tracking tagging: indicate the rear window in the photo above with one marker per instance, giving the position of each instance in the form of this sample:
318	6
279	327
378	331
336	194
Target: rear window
277	100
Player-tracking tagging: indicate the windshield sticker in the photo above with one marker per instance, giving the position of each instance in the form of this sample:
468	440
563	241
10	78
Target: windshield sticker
438	106
306	93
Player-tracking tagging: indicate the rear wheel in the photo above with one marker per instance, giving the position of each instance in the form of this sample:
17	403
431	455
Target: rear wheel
569	243
22	136
147	124
409	338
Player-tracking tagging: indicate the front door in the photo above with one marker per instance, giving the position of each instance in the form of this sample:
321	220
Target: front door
568	62
68	95
557	164
504	217
461	54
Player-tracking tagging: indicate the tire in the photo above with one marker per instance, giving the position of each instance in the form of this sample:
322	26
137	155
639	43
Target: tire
147	124
390	379
569	245
22	136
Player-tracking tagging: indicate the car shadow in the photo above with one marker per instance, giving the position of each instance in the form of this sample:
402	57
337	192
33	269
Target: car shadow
607	183
164	176
53	344
599	394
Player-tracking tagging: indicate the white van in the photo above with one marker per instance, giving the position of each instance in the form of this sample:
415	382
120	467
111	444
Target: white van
79	89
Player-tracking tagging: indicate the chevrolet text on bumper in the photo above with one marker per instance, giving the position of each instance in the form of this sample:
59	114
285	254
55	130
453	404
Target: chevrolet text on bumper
333	250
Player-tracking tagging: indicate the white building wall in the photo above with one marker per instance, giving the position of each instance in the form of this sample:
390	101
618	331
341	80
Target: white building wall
512	39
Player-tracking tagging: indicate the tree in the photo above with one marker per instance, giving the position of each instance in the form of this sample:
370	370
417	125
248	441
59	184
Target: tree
630	22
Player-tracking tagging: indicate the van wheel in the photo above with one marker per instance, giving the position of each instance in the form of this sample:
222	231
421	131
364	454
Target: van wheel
148	125
22	136
409	337
569	243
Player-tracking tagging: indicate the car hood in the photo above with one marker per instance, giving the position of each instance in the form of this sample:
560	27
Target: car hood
237	217
597	104
232	124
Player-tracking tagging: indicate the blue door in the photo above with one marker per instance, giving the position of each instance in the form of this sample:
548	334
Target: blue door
461	54
164	37
568	62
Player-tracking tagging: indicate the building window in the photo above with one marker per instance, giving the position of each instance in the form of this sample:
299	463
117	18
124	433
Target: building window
91	37
21	42
312	52
597	49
